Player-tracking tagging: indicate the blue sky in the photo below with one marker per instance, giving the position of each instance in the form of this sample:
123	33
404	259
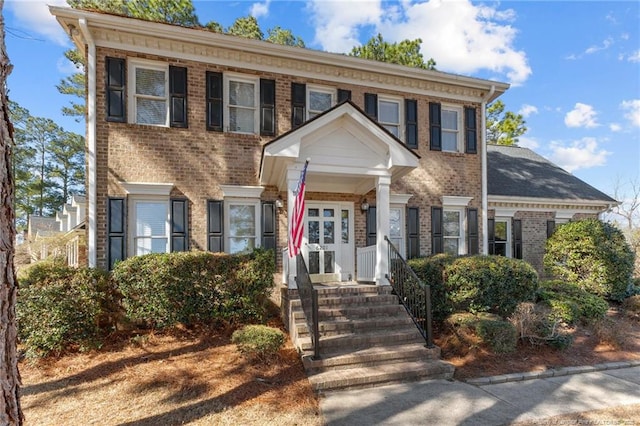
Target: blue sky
574	66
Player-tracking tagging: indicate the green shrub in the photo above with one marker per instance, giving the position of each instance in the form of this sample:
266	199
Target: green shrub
571	304
60	308
258	341
592	254
430	270
162	290
500	335
493	284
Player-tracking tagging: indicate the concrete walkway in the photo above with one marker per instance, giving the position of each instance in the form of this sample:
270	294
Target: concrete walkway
490	401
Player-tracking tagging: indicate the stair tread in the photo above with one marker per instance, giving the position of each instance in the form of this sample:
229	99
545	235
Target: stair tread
373	350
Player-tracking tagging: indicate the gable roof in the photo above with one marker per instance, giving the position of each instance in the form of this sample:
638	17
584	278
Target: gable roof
521	173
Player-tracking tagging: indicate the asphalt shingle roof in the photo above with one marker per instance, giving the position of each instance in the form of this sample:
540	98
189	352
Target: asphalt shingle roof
520	172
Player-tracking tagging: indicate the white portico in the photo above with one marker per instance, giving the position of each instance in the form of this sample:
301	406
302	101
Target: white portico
350	154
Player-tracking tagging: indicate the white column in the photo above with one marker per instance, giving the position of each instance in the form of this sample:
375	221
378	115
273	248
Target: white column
293	176
382	219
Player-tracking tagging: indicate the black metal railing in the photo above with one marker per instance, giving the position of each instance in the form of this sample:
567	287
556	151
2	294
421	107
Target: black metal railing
412	292
309	301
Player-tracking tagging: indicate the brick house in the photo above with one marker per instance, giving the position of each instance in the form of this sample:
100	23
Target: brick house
196	141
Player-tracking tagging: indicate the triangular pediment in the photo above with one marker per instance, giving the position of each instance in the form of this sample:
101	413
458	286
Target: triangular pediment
346	149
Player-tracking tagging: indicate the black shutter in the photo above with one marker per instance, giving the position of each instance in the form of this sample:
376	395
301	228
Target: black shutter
214	226
435	127
437	237
470	131
267	107
214	101
372	226
179	224
116	242
491	235
413	232
116	78
517	238
269	226
344	95
551	226
178	96
298	104
411	122
472	231
371	105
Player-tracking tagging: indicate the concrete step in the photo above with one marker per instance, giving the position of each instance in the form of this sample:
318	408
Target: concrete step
341	326
367	357
388	336
367	299
377	375
353	312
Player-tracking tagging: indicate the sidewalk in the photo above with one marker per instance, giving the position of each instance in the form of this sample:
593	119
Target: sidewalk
489	401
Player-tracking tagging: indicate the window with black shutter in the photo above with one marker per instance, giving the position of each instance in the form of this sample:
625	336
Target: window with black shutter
298	104
551	226
435	126
214	101
215	225
115	89
116	231
372	226
178	96
437	234
268	225
344	95
267	107
411	123
517	239
470	131
491	233
473	243
413	232
179	224
371	105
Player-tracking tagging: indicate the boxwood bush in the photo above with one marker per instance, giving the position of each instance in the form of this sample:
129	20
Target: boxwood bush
161	290
258	341
492	284
570	303
60	308
592	254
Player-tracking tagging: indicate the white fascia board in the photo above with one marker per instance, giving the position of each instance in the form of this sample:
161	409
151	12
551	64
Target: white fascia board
455	201
399	198
495	199
240	191
147	188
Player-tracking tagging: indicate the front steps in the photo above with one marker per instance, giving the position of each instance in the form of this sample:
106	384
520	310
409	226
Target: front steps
366	339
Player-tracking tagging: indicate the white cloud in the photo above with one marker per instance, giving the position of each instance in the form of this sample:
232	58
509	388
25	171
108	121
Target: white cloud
582	115
260	9
65	66
460	36
605	45
580	154
34	16
634	56
615	127
527	110
632	113
526	142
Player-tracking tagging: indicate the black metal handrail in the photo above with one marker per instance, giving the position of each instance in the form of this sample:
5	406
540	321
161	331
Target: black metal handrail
309	301
414	295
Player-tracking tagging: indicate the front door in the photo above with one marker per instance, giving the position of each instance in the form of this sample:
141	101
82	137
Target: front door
321	245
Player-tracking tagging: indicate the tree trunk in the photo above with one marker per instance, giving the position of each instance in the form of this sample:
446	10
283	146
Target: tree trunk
10	412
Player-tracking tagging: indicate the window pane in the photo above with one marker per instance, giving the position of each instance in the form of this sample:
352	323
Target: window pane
313	212
151	111
151	219
241	245
314	262
395	223
449	141
328	261
500	232
314	232
241	94
389	112
328	212
329	233
150	82
394	130
345	226
500	249
449	120
451	246
242	221
319	101
451	223
241	120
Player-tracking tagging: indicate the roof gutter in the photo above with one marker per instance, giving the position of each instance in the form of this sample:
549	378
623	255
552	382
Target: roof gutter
92	198
485	203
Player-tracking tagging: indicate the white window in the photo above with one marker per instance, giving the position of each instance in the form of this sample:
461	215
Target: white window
319	99
242	223
453	228
241	100
451	128
396	228
148	93
389	115
502	237
150	225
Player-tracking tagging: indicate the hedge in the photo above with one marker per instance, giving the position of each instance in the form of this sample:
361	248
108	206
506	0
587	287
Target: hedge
570	303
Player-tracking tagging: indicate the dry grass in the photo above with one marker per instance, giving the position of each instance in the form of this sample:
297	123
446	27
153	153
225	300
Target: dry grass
169	380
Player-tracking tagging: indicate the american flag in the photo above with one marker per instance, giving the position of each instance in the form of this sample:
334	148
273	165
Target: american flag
296	224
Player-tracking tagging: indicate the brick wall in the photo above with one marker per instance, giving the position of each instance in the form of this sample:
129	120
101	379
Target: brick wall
197	161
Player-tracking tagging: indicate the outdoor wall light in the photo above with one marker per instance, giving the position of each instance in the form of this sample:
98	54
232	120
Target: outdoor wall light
279	203
364	206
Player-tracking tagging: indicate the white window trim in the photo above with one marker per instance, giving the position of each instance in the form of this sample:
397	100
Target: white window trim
132	201
509	242
321	89
460	132
236	201
243	78
462	240
132	65
147	188
400	102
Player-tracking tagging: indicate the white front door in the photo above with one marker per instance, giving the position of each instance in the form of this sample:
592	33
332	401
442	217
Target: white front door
322	241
